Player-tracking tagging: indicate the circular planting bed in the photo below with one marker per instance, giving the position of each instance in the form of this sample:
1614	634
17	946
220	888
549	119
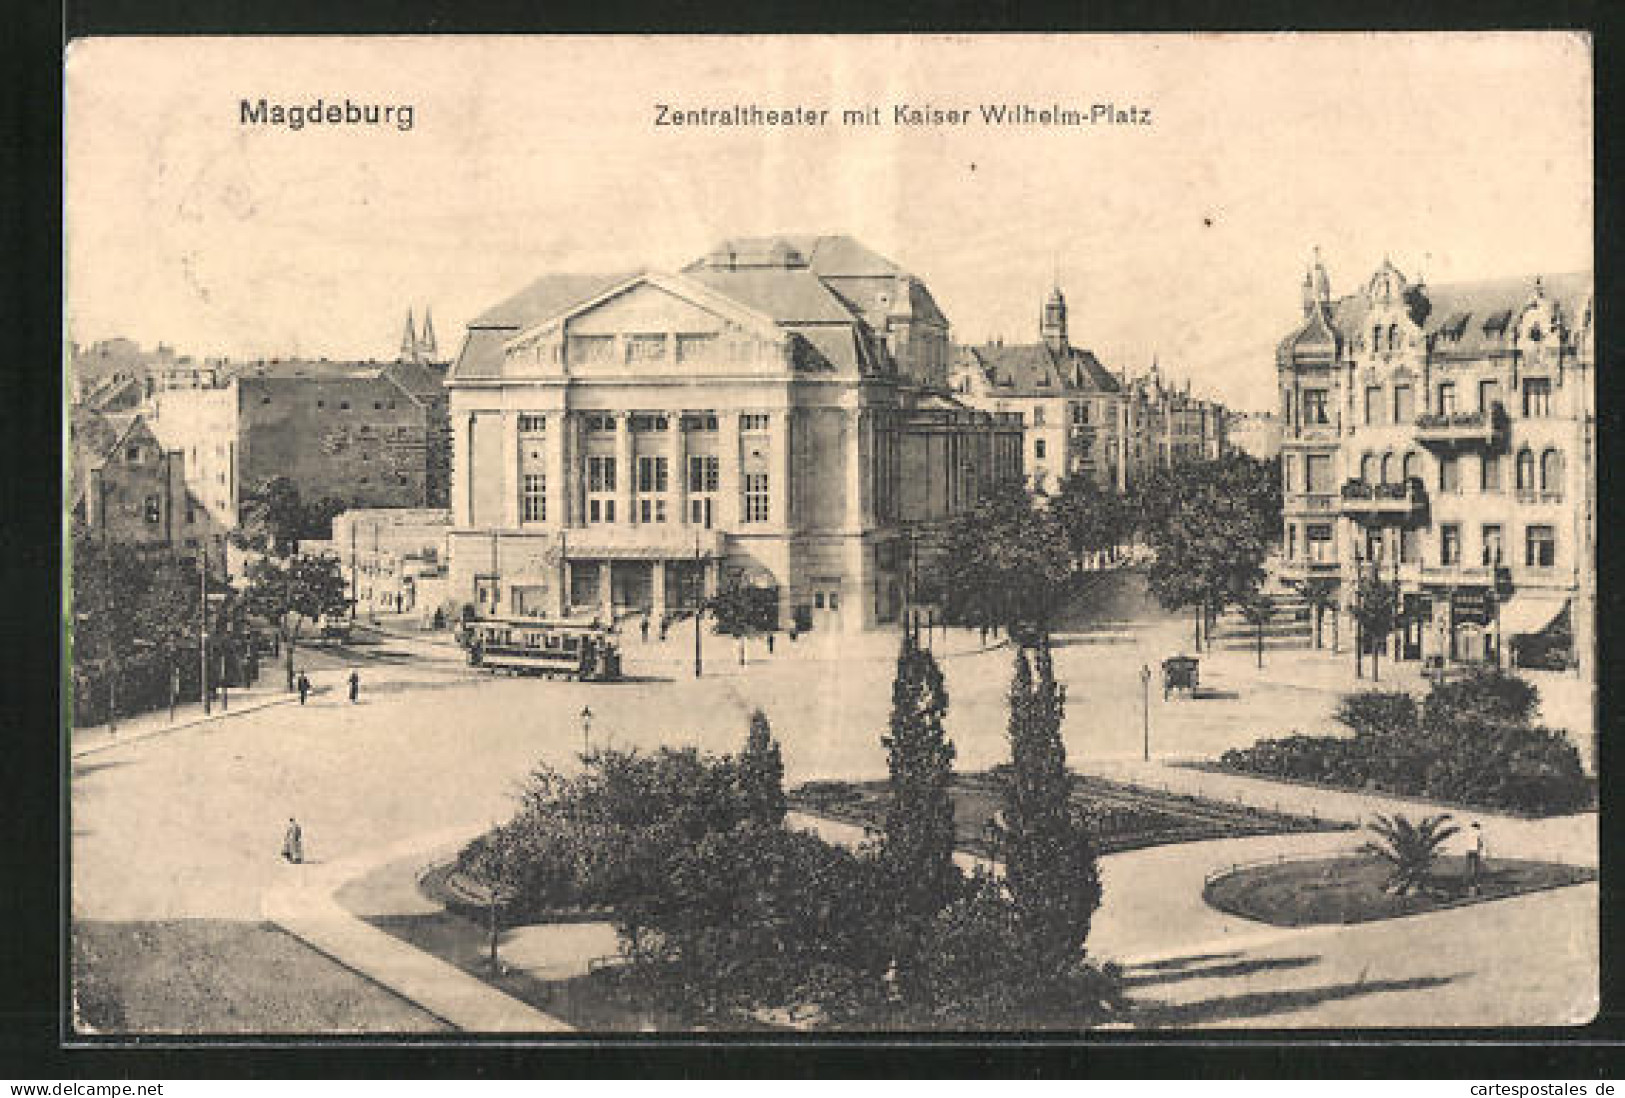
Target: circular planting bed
1352	888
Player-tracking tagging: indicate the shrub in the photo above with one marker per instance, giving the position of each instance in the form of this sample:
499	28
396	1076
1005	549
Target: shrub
1470	742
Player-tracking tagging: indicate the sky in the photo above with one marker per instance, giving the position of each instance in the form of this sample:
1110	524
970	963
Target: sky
1458	156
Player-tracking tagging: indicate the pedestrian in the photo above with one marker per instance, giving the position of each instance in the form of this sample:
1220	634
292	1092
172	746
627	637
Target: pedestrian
1476	850
304	687
770	644
293	842
355	686
643	627
665	625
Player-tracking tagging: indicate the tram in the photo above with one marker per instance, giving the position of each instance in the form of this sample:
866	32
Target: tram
527	646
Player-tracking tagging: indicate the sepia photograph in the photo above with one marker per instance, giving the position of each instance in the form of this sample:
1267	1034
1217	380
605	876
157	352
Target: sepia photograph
570	537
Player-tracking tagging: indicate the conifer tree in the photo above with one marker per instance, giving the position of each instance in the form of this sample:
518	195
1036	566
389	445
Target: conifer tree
1046	842
919	839
761	774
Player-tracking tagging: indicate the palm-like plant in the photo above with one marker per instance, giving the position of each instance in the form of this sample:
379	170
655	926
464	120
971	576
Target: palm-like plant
1410	848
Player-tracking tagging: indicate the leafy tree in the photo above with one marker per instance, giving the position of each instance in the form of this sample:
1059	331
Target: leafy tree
1094	519
761	773
1258	609
494	861
1211	525
1006	563
1047	844
918	846
1320	592
293	592
1411	849
1376	612
741	611
275	519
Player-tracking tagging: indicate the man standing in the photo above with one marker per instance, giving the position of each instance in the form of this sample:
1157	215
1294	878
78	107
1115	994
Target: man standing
304	687
643	627
293	842
1476	850
355	686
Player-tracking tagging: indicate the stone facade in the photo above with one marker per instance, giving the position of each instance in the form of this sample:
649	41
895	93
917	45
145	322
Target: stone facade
1444	436
128	488
629	443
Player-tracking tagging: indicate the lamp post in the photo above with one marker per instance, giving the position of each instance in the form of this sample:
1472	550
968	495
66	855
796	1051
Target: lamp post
586	731
699	604
1145	710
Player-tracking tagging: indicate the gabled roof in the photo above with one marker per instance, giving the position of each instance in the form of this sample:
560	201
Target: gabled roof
787	296
93	437
1034	370
836	255
547	297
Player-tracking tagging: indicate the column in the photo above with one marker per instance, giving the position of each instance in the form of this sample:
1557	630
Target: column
778	483
657	589
558	495
606	591
624	470
856	473
678	497
730	487
510	469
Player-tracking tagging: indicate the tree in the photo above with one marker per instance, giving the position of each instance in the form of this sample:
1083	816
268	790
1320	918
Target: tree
290	593
1211	524
1259	611
918	846
761	774
1320	592
1094	519
1411	849
1376	612
741	611
1048	849
1006	563
494	862
274	519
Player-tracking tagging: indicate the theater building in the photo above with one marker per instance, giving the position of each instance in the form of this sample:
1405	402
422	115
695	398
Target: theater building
1444	437
774	415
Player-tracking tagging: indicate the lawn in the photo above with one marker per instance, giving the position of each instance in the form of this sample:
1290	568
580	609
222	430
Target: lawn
202	976
1125	817
1350	888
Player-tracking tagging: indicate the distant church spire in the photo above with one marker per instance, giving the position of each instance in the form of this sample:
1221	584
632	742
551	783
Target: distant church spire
427	348
409	340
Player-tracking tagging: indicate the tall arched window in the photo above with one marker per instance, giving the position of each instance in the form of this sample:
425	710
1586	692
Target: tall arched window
1393	336
1368	468
1526	471
1388	468
1413	465
1551	472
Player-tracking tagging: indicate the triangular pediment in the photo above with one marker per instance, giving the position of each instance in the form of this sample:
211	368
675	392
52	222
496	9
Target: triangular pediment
652	324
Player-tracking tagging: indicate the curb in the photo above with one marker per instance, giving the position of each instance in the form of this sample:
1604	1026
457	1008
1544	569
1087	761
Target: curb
117	740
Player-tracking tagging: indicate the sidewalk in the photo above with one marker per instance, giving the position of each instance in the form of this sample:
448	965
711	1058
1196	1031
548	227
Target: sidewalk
100	737
304	905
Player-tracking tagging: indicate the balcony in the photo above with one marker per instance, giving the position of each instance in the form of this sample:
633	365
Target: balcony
1497	576
1479	428
1364	500
1310	503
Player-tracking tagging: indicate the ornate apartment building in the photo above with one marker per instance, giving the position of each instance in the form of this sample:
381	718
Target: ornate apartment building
1072	407
773	415
1444	436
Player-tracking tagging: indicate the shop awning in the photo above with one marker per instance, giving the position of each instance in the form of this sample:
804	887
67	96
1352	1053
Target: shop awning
1524	615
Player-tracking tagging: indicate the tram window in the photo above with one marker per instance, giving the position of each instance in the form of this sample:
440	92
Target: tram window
571	643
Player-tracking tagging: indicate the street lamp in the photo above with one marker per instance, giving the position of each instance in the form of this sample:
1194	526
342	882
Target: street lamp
1145	709
699	604
586	731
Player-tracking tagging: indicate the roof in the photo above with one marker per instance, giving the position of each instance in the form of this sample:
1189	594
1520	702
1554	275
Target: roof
1460	317
421	379
835	255
287	369
788	296
548	296
93	437
1033	369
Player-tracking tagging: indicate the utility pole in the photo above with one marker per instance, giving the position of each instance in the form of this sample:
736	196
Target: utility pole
699	604
355	591
1145	709
112	611
203	624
